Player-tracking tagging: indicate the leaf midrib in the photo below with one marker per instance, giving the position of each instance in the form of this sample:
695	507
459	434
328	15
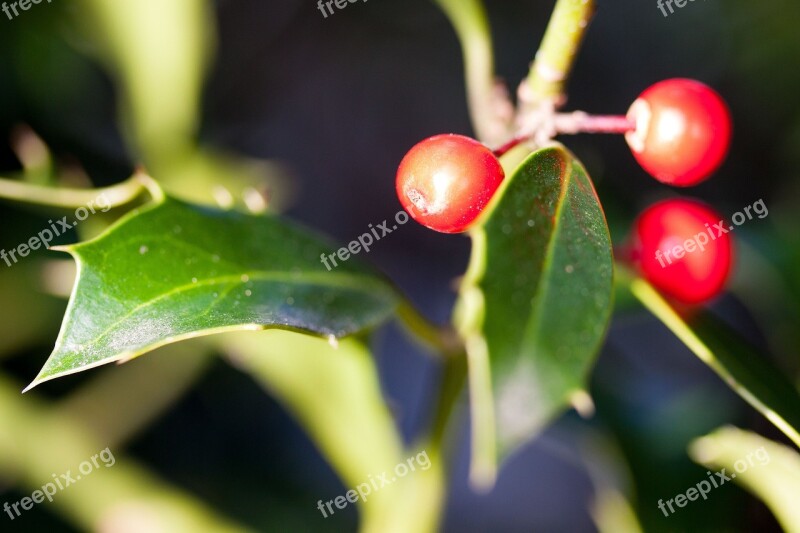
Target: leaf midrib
346	280
547	264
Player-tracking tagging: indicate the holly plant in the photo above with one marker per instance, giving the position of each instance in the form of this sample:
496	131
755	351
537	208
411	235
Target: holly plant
185	259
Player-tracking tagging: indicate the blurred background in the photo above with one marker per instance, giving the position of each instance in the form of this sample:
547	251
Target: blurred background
314	114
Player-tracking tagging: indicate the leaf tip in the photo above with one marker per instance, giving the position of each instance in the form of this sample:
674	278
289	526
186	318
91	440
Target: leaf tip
582	403
32	384
482	477
68	248
42	377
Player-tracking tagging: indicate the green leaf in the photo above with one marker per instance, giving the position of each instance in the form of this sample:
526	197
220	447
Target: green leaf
768	470
535	303
334	392
174	271
44	441
613	512
746	371
160	78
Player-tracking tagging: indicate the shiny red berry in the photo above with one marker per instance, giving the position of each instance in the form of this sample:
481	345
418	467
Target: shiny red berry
682	247
683	131
444	182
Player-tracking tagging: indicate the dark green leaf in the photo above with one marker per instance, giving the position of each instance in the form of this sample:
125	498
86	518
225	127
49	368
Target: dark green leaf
536	301
173	271
740	365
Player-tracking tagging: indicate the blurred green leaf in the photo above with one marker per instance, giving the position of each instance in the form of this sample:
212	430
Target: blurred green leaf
746	371
158	52
332	389
772	471
536	301
334	392
173	271
121	495
612	512
34	313
103	404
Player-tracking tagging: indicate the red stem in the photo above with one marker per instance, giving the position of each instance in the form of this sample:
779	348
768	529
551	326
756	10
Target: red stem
582	123
499	152
577	122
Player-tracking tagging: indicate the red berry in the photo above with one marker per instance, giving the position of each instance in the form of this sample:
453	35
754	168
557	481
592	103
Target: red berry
683	131
683	250
444	182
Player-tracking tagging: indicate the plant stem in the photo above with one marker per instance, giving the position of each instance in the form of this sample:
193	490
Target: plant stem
487	103
454	373
580	122
556	55
115	196
504	149
571	123
442	340
423	496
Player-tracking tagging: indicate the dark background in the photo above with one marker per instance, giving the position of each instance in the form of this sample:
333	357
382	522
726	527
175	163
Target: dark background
339	101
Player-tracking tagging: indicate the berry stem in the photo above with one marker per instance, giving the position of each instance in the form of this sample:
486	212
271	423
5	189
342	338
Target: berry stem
580	122
556	54
441	340
572	123
502	150
491	110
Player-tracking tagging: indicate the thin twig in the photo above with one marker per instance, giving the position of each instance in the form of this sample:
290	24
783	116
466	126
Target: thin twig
442	340
490	107
115	196
556	55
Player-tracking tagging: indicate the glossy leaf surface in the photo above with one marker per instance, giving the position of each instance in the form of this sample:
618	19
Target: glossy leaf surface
173	271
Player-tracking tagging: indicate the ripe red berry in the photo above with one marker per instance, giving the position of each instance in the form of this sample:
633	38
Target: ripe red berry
682	247
683	131
444	182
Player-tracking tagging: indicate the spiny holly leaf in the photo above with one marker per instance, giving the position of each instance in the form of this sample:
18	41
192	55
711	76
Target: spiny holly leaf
535	304
172	271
